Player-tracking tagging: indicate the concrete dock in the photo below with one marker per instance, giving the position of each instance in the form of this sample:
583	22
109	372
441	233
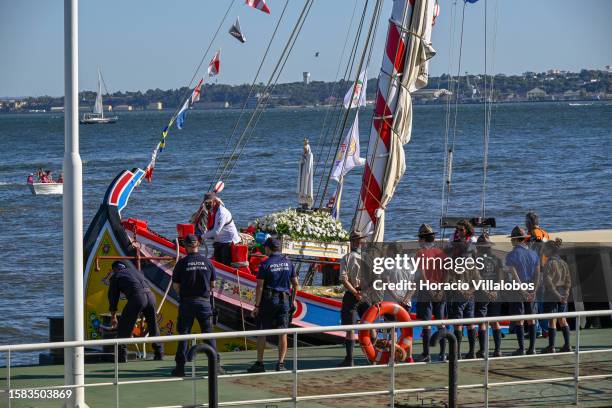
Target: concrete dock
236	386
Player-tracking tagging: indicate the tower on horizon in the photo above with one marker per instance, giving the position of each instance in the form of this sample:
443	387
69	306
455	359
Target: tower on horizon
306	76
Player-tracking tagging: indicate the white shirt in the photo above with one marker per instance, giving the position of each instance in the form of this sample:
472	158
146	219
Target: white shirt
224	230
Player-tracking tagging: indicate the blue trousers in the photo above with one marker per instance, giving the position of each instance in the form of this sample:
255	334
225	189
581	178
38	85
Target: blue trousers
190	310
140	303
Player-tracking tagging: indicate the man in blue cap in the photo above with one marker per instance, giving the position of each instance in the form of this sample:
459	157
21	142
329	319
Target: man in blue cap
194	281
272	309
134	287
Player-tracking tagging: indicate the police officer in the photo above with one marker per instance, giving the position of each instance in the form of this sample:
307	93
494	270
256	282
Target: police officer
272	308
194	280
353	300
132	284
527	265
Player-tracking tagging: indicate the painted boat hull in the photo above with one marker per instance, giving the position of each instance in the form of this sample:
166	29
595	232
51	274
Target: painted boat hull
109	235
46	188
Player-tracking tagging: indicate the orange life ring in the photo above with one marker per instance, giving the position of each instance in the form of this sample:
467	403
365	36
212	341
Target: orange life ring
378	352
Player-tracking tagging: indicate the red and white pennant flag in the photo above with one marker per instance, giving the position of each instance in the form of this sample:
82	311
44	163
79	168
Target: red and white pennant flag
259	5
213	67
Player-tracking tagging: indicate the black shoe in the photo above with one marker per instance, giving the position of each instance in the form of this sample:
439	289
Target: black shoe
434	338
565	349
178	372
423	358
547	350
518	352
531	352
158	357
479	354
497	353
257	367
280	366
442	357
469	356
347	362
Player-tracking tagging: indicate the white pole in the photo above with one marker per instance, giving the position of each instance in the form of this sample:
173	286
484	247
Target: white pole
74	369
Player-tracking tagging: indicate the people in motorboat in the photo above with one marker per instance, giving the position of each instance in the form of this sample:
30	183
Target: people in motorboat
220	228
527	265
42	177
61	178
430	303
276	278
49	175
30	178
140	299
557	282
193	279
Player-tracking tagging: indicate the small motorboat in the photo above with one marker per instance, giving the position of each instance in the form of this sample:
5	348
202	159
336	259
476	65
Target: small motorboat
46	188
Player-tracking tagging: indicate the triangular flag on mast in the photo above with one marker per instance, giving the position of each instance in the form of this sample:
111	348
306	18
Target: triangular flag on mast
259	5
236	32
213	67
195	96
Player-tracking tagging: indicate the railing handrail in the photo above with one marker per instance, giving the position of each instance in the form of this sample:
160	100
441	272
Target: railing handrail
298	330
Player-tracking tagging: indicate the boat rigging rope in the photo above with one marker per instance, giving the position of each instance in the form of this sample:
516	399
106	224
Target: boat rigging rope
321	140
262	103
451	149
241	305
367	49
332	134
197	70
246	101
488	108
176	259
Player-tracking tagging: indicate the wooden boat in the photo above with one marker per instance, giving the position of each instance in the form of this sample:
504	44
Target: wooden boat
111	237
46	188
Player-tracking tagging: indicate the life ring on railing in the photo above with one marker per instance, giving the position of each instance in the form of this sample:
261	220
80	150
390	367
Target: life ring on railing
378	352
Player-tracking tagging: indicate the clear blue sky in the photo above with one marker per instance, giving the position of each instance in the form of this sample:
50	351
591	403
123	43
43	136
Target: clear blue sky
143	44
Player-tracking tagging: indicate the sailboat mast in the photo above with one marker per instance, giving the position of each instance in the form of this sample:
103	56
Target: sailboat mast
100	92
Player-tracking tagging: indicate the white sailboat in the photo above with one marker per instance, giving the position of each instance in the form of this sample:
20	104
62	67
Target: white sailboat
97	116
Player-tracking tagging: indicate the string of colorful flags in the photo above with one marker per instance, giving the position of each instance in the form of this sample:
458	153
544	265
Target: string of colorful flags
213	70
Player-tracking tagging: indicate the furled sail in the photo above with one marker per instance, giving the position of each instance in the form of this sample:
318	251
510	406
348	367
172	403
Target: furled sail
404	70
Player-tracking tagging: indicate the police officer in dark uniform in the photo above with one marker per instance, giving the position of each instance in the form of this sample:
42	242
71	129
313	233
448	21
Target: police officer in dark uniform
194	280
132	284
272	301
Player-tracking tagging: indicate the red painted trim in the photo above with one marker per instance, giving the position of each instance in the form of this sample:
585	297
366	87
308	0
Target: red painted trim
114	199
327	301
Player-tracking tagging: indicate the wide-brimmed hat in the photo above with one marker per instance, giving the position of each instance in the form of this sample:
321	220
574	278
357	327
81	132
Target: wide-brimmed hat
518	232
425	230
484	241
356	234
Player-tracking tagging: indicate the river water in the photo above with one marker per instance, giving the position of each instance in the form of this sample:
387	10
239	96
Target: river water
550	157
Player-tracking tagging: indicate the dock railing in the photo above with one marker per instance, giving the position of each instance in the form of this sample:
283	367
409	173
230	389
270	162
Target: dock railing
391	391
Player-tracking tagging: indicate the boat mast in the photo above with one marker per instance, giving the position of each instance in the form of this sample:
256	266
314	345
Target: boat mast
74	368
99	106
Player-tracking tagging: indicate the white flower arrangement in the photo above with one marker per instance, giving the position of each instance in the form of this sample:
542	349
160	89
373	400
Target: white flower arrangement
317	225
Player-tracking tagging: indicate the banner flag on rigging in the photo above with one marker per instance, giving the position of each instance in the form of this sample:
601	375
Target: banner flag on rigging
214	65
236	32
359	94
195	96
259	5
348	155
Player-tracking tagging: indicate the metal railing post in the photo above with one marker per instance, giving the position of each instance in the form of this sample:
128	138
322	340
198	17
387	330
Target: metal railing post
193	371
577	362
392	364
295	370
8	376
211	353
452	369
117	375
486	373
